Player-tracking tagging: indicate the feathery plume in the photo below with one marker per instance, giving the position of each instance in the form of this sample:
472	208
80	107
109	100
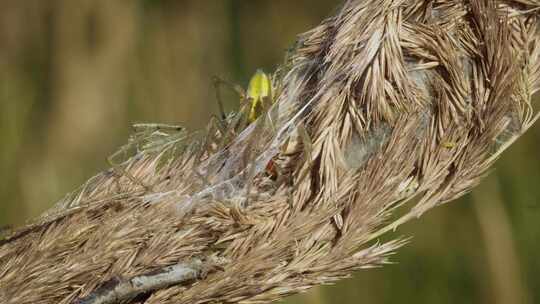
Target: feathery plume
382	112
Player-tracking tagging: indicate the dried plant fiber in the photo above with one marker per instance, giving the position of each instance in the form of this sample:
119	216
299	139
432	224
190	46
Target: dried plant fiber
382	112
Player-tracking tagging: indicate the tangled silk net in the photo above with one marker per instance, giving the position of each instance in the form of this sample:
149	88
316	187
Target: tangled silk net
382	112
224	163
219	164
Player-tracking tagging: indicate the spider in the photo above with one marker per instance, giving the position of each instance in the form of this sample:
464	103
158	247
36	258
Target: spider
254	102
151	137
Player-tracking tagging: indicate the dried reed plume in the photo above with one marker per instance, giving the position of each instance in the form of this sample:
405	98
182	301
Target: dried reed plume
382	112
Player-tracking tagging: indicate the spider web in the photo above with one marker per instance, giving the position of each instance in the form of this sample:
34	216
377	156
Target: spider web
231	170
226	174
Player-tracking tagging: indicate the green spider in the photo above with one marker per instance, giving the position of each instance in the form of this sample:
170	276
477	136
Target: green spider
258	96
257	100
254	102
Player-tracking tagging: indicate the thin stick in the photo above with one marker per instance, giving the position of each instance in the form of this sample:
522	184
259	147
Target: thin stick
117	291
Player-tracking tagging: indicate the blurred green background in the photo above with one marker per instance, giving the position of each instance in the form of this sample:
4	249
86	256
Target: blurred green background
75	74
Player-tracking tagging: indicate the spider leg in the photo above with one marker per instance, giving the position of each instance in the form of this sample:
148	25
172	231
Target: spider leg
250	156
218	82
142	132
216	133
271	110
144	127
120	171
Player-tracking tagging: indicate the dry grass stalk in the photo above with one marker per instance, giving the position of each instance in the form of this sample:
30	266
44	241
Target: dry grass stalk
389	107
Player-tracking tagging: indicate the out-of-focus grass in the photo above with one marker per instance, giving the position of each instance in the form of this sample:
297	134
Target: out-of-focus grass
75	74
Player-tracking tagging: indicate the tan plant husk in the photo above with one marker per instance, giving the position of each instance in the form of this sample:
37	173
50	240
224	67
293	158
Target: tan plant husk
384	111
